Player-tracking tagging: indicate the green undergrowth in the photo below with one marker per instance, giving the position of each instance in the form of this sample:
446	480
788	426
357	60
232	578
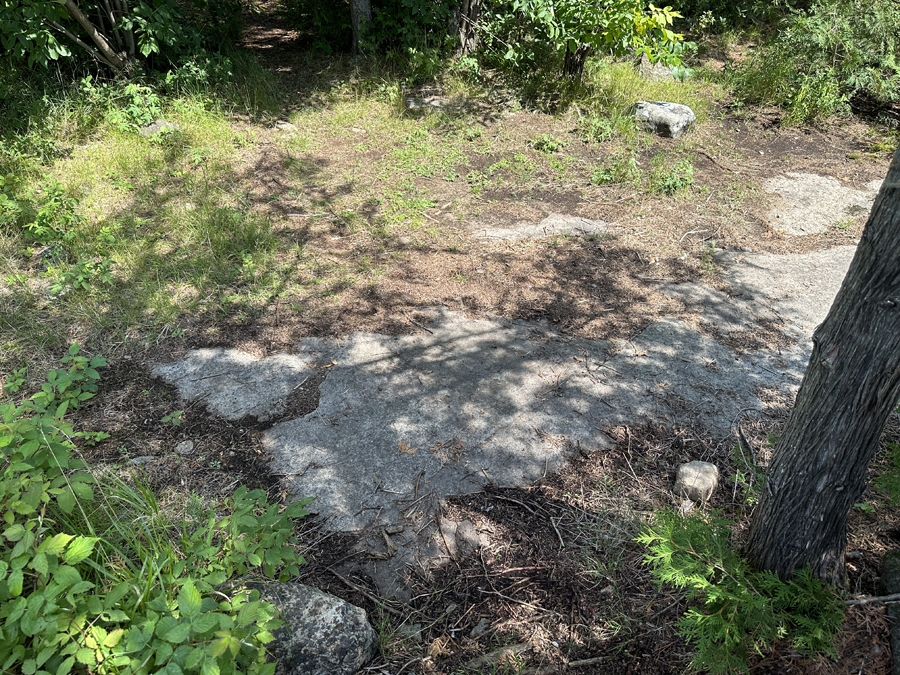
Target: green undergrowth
96	577
737	612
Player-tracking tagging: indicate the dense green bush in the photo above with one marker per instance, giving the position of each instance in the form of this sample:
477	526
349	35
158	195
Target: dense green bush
822	59
741	611
94	577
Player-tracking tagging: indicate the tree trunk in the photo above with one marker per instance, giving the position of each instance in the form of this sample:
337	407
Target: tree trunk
574	63
852	384
360	18
467	22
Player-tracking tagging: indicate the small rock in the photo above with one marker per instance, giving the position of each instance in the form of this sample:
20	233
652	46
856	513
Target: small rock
665	119
143	459
321	635
658	72
480	628
184	448
157	127
411	631
426	102
53	256
284	125
696	480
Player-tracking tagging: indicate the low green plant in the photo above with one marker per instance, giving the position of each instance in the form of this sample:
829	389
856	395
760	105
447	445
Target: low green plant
547	143
84	275
91	579
889	481
741	612
47	212
670	180
620	167
173	417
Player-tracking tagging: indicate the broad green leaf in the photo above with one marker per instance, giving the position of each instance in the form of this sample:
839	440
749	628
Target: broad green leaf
163	653
66	500
86	656
74	347
66	666
39	563
179	633
14	583
189	600
14	532
204	623
80	549
209	667
83	490
220	646
66	575
28	667
55	544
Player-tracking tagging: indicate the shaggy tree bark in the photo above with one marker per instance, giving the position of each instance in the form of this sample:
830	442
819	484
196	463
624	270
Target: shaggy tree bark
360	17
852	384
467	14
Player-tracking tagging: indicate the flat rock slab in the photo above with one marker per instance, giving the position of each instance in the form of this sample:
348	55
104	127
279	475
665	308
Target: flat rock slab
235	384
405	421
807	203
794	291
552	225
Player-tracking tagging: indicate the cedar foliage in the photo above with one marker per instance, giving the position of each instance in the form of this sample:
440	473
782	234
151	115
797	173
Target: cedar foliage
740	611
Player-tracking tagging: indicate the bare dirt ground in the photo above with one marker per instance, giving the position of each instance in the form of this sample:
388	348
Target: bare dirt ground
558	583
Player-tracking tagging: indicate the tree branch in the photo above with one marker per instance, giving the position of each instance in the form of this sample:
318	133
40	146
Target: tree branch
109	55
74	38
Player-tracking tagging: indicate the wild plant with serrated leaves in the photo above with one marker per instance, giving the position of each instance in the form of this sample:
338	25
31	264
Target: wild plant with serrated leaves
738	611
95	578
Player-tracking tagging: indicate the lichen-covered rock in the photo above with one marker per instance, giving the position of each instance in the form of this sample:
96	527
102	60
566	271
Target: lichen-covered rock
696	480
665	119
322	634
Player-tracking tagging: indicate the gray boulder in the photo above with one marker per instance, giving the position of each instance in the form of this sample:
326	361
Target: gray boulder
665	119
157	127
696	480
321	635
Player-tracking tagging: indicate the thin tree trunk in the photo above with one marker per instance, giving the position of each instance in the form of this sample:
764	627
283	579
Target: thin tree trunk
103	46
574	63
360	18
851	385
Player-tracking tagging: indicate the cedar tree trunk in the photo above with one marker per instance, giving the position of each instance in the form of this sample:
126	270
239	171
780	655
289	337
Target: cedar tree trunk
360	18
467	22
852	383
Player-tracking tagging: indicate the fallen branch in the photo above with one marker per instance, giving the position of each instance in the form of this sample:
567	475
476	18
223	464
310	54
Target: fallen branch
894	597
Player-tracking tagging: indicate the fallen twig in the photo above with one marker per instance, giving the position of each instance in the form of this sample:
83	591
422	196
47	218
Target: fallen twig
416	323
371	597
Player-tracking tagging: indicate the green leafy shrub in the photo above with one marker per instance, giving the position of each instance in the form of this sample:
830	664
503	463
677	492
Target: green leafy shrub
46	213
571	29
742	611
824	57
670	180
620	167
90	579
